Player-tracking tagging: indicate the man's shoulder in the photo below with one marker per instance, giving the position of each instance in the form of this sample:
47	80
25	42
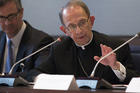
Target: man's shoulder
65	43
107	39
34	30
35	35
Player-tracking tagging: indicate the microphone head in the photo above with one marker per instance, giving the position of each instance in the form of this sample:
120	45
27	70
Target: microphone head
21	65
59	39
138	34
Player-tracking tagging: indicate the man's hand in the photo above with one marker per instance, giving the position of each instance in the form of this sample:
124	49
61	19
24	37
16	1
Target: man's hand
110	60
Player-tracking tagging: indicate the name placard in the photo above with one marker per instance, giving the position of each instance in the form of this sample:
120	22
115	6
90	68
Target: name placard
55	82
134	85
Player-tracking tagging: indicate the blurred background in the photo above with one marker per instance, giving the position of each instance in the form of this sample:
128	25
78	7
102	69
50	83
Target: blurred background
113	17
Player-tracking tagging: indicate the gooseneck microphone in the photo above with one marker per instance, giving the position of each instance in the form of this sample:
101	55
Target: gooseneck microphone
15	80
93	72
11	70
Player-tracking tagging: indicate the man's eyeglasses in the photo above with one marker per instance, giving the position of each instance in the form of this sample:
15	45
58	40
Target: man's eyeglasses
10	17
81	24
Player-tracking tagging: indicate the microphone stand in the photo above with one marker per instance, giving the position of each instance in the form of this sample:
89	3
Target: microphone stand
14	80
93	82
11	70
93	72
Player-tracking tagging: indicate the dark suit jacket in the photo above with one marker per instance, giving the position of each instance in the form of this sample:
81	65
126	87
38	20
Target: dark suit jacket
31	41
65	58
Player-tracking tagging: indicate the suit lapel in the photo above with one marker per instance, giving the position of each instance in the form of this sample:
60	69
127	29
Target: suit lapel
22	47
21	52
2	49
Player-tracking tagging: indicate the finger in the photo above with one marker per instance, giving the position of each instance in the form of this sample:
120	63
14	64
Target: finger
96	58
102	49
107	49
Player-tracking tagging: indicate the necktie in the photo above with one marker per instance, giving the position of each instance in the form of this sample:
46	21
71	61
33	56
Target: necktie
9	57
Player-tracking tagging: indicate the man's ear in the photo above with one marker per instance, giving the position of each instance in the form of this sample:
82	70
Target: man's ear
62	28
92	18
21	13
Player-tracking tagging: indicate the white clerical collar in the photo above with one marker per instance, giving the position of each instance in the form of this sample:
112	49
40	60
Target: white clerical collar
83	46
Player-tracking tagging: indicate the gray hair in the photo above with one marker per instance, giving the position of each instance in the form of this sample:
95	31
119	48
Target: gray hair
17	2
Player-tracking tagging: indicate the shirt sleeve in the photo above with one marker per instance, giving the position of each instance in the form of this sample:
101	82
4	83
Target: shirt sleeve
121	73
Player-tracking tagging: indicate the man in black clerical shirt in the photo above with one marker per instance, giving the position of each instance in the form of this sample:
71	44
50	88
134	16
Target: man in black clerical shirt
78	53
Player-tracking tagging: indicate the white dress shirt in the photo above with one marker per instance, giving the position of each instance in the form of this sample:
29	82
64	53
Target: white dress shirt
15	44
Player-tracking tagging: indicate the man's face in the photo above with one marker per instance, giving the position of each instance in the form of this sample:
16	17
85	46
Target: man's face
78	25
10	19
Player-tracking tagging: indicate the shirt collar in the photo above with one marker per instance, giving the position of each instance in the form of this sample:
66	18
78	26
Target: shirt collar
16	40
83	46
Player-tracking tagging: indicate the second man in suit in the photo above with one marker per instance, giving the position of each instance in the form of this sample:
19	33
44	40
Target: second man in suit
23	38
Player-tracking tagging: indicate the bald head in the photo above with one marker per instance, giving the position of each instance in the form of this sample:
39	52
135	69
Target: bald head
72	4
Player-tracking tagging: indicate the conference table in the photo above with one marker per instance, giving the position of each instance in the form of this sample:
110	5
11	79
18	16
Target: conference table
23	89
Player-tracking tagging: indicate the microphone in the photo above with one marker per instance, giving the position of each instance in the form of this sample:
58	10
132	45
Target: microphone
11	80
11	70
93	82
93	72
22	67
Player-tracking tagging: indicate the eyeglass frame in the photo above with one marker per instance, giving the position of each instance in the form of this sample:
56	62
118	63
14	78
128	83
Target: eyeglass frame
78	25
10	17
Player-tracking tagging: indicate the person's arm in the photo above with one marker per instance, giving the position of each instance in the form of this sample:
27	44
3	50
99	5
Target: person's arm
38	58
120	72
111	61
46	66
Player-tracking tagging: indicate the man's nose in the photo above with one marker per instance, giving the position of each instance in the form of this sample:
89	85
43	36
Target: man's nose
7	21
78	30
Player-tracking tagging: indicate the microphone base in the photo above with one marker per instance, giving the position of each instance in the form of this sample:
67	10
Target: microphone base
93	83
12	80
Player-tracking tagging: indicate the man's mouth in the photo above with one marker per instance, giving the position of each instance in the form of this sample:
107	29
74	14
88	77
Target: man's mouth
81	37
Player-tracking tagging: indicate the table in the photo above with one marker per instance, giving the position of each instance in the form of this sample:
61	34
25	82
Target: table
5	89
